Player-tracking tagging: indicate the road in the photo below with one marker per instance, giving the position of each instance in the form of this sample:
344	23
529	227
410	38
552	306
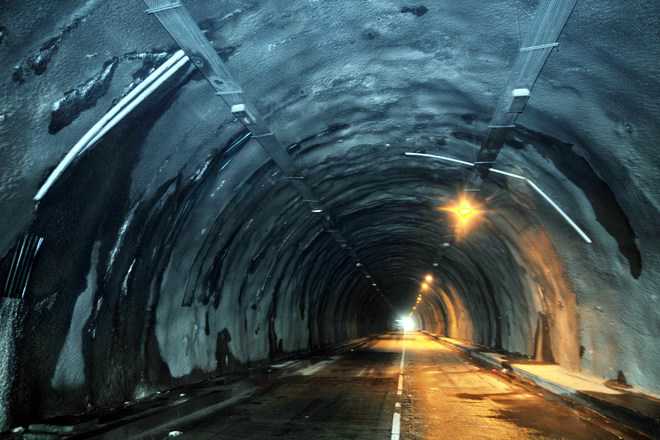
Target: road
363	395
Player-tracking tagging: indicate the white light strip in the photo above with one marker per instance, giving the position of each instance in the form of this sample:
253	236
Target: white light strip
535	187
515	176
570	221
116	113
131	106
561	212
445	158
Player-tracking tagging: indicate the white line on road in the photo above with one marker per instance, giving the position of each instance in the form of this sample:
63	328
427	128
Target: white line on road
396	426
283	364
396	418
313	369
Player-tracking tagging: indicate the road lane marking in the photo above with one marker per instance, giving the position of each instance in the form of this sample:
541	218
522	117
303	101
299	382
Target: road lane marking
396	426
313	369
283	364
396	417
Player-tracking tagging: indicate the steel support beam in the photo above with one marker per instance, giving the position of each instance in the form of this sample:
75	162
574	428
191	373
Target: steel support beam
545	29
178	22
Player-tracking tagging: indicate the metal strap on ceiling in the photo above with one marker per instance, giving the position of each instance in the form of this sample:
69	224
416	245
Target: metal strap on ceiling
178	22
548	24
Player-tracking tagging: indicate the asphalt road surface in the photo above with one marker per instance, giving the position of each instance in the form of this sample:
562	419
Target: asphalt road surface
398	387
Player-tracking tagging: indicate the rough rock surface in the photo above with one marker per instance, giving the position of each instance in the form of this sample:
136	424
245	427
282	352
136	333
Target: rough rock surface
171	252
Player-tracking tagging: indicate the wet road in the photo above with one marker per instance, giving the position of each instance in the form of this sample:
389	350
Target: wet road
362	395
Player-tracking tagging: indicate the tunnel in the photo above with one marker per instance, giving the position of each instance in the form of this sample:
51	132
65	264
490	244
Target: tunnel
201	192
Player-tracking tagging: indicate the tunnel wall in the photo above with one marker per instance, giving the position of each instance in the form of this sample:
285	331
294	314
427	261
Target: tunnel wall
202	272
170	255
171	209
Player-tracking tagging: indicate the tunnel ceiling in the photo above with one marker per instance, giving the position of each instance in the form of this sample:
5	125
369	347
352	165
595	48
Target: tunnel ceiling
178	227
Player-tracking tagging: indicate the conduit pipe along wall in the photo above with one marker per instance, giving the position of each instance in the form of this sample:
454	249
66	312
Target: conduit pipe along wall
175	249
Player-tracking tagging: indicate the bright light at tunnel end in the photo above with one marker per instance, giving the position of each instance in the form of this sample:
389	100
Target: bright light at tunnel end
406	323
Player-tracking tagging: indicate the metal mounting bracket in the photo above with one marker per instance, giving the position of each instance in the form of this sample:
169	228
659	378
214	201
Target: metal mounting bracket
539	47
163	8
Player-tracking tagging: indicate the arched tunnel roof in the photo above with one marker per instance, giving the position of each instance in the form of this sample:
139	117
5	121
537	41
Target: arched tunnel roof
176	232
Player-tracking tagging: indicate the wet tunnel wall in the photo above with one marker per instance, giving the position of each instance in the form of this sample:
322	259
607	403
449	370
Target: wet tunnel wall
175	249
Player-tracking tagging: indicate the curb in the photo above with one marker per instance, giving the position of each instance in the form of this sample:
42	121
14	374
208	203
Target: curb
629	417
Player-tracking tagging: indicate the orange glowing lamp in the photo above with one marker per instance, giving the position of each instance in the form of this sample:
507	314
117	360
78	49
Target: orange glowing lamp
465	211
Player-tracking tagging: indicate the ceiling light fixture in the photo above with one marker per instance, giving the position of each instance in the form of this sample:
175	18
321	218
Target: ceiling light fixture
535	187
465	211
116	114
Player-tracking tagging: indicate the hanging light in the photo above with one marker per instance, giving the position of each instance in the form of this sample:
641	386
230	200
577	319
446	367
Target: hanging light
465	211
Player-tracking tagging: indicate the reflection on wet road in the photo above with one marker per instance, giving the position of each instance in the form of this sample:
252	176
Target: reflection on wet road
448	397
356	396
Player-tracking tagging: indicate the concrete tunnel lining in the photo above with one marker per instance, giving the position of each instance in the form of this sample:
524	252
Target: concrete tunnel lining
169	256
